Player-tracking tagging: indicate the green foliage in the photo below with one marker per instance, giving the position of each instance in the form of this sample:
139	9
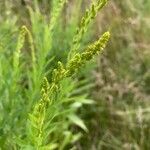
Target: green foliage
39	104
40	118
38	75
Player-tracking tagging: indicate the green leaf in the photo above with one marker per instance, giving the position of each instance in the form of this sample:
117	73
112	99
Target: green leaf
76	120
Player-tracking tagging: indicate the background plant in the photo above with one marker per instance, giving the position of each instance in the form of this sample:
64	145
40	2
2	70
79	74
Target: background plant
122	79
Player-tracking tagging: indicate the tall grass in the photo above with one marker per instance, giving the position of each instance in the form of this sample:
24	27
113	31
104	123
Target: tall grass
121	116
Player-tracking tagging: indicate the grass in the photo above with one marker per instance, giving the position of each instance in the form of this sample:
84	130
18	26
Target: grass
120	120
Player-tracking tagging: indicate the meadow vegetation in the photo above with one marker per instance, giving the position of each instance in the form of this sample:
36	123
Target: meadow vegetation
61	88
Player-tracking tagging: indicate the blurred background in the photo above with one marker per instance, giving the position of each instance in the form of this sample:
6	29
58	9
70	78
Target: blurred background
118	81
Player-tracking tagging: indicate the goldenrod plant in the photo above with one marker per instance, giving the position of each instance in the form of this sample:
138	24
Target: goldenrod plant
38	103
40	120
90	14
118	83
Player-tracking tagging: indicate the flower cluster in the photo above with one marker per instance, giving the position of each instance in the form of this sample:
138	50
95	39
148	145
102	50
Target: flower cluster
39	113
76	61
85	21
80	59
21	39
57	7
20	44
72	66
